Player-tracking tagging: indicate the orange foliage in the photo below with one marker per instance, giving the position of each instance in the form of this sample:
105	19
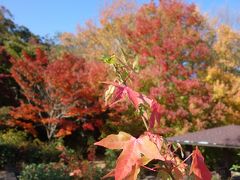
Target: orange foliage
131	156
137	152
198	167
57	92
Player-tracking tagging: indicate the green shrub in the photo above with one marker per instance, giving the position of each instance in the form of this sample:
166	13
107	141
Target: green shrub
40	152
15	147
236	167
44	172
10	141
13	137
92	172
110	158
4	113
34	154
8	154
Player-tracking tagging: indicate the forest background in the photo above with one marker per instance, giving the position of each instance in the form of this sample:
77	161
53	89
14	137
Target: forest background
52	91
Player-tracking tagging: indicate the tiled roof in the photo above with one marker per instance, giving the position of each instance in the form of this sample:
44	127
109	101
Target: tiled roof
225	136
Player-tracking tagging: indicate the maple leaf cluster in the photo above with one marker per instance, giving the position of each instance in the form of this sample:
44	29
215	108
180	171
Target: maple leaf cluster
137	152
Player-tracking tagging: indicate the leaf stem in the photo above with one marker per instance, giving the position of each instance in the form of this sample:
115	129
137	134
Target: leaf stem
151	169
145	122
184	160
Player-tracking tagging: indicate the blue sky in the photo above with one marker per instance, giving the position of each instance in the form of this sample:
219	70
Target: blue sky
47	17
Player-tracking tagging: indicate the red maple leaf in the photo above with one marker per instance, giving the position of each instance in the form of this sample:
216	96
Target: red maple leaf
123	91
136	99
198	167
133	151
157	111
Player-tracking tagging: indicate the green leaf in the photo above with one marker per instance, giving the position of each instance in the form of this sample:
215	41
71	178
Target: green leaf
109	59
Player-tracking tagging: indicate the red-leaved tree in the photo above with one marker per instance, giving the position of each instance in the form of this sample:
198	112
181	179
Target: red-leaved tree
172	47
60	95
168	45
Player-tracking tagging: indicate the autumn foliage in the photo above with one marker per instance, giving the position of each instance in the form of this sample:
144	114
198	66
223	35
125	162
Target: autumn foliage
198	167
58	93
138	152
171	58
130	160
165	48
177	72
223	77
